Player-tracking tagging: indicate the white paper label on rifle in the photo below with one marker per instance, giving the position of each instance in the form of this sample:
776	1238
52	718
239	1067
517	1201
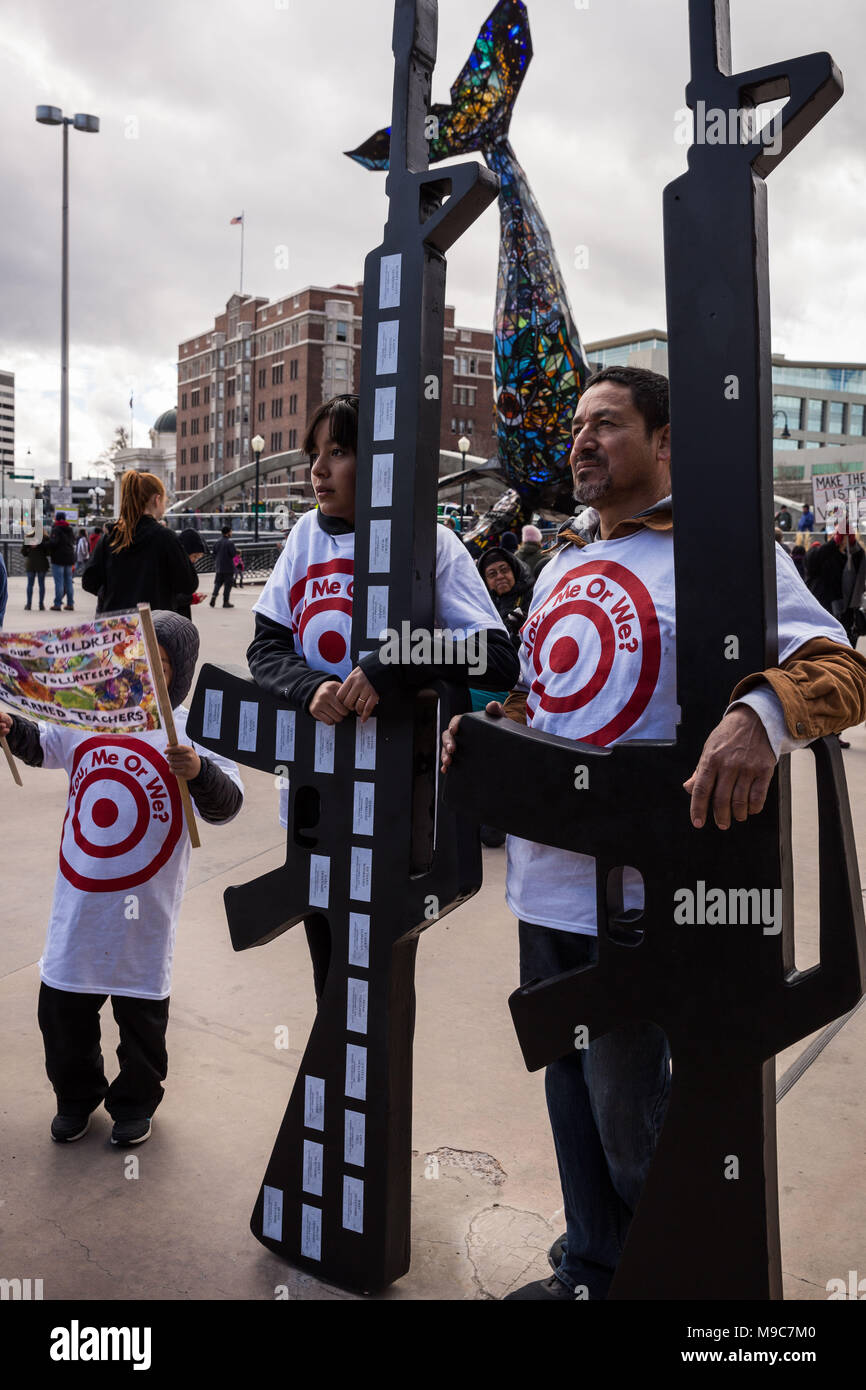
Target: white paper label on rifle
380	547
356	1006
353	1138
320	880
248	727
213	714
365	745
356	1072
383	480
386	348
285	735
311	1232
389	282
313	1163
325	737
377	619
365	795
314	1102
385	412
353	1203
361	874
359	939
272	1215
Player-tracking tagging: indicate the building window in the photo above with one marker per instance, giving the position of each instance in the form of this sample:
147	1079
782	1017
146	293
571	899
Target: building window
193	454
219	419
183	458
205	452
815	416
195	397
183	401
340	368
293	439
293	405
469	425
206	394
453	425
793	408
342	331
193	481
855	419
276	407
260	410
465	335
193	426
276	441
246	381
220	390
293	330
183	429
247	348
279	337
263	378
221	357
293	369
835	414
277	374
220	449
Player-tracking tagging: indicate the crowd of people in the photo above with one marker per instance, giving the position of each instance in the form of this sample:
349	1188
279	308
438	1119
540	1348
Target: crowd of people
606	1103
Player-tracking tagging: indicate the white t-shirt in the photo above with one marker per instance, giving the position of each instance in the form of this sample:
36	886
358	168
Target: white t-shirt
311	586
598	658
124	859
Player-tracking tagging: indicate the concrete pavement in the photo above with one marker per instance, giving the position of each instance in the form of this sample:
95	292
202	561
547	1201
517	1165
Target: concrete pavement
174	1225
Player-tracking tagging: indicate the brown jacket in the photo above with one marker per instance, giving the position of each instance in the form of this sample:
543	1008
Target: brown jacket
822	687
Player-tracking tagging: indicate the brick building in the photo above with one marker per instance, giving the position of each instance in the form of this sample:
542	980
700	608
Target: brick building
265	367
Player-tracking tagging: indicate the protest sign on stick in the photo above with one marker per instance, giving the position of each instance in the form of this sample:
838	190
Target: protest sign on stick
148	633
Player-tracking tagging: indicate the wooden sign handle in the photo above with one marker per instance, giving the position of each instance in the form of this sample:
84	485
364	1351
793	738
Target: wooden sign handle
13	766
148	632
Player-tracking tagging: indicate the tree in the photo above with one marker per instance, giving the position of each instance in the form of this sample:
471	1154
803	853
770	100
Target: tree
120	441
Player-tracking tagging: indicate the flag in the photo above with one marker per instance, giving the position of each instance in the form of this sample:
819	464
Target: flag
94	676
130	400
235	220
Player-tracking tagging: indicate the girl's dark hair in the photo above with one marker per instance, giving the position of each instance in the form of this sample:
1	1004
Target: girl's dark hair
341	412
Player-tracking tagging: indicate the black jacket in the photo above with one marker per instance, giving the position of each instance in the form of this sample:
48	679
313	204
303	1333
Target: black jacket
154	569
224	553
61	544
513	607
36	557
825	573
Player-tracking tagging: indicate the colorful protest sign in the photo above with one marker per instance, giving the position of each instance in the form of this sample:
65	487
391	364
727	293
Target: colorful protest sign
94	676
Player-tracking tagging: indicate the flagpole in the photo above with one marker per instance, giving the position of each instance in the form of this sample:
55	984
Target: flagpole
243	228
131	418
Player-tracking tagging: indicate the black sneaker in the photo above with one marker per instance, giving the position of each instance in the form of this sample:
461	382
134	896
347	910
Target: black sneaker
65	1129
126	1132
212	602
542	1290
228	605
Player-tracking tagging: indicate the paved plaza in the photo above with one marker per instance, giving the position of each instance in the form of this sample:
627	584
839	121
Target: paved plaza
486	1200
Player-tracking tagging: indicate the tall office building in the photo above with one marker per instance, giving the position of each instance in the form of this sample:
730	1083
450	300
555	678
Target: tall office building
265	367
818	405
7	421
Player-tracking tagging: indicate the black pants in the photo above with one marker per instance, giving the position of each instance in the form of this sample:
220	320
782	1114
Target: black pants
224	582
73	1055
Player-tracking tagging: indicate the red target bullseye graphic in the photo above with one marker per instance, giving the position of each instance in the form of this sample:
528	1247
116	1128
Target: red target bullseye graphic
598	624
124	817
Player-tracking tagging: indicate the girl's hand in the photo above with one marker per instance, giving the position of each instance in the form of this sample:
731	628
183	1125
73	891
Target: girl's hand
5	723
358	694
184	762
325	706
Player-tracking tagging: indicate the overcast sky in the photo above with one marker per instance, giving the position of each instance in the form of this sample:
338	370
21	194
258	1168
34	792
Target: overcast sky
208	107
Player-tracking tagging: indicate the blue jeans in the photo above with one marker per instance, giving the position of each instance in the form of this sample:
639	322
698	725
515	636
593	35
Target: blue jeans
40	575
606	1104
62	584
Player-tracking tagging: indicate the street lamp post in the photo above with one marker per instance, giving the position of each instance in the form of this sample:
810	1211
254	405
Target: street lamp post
786	433
52	115
257	444
464	445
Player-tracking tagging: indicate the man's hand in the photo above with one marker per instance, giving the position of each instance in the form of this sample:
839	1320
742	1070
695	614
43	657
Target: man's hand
735	770
358	694
449	738
325	705
5	723
184	762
